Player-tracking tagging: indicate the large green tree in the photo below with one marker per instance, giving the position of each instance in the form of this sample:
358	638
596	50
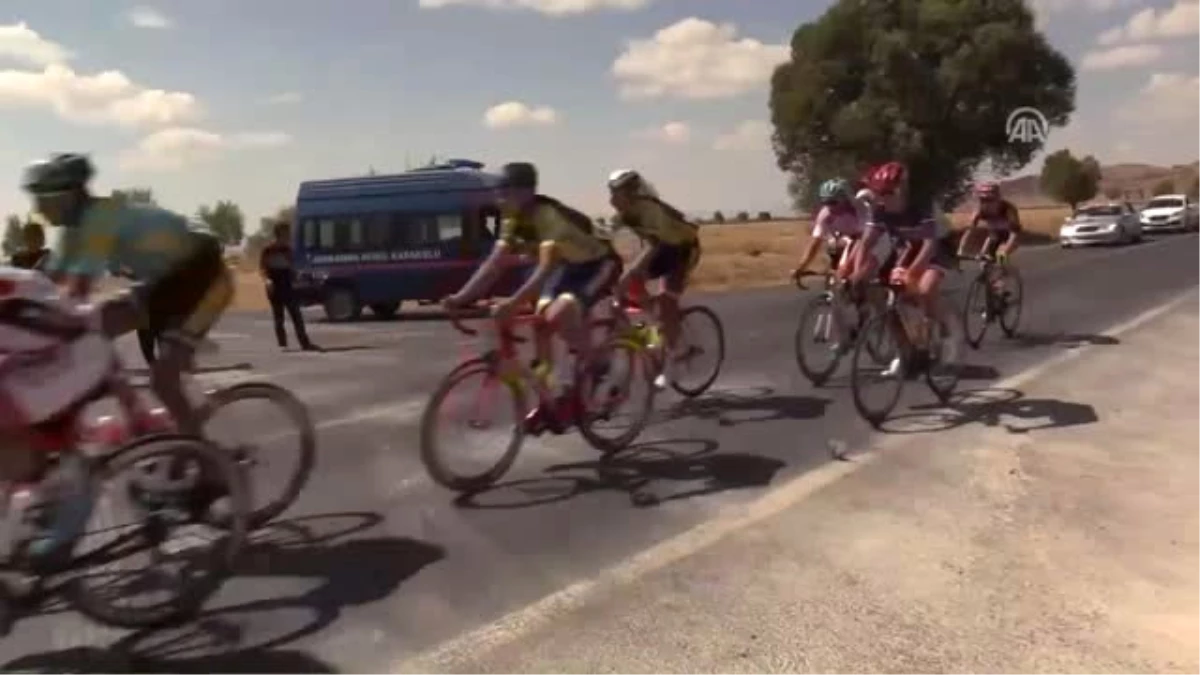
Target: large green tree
929	82
1069	179
225	220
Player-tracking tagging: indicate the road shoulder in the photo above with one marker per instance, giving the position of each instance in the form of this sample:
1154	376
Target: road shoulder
1053	531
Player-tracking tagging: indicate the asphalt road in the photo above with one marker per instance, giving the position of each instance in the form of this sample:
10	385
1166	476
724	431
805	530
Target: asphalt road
375	564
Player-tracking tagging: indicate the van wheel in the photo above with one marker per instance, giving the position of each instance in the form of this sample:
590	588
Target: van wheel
385	310
341	304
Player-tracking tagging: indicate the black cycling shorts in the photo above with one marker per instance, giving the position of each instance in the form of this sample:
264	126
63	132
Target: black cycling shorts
673	264
192	296
586	282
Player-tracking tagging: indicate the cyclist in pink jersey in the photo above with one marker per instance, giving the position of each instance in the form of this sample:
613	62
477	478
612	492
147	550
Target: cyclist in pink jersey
839	224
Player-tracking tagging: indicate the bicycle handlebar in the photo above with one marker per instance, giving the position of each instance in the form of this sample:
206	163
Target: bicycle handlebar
505	326
798	279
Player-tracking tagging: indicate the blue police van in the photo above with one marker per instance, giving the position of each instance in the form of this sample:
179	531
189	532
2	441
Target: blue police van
378	241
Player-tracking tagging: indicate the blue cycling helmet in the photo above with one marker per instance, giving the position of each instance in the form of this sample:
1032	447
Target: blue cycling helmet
834	188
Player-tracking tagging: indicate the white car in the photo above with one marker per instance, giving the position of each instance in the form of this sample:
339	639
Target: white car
1167	213
1115	223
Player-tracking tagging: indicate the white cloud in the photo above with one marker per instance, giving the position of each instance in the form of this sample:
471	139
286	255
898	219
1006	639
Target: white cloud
177	147
1179	20
696	59
1167	98
675	133
516	114
747	135
107	97
549	7
284	98
148	17
19	42
1125	56
1062	6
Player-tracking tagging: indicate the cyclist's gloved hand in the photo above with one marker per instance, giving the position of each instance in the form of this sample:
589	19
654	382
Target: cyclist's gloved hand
1002	257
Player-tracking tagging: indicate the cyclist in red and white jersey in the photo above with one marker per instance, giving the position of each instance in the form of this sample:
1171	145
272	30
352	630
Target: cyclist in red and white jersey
996	216
840	224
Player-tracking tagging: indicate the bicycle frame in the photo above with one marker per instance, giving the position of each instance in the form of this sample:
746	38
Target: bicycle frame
504	356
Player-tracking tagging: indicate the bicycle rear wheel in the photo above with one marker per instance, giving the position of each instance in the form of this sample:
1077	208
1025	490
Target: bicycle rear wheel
698	326
869	378
977	309
1014	297
628	369
197	465
249	455
817	322
489	388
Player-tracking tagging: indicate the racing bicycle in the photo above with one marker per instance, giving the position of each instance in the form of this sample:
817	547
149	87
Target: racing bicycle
247	454
596	390
832	320
634	326
170	481
994	296
886	354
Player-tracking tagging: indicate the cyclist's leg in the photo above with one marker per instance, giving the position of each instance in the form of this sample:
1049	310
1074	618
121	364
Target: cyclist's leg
184	305
579	287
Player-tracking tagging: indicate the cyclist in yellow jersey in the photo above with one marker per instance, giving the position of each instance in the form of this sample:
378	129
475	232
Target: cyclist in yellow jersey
672	251
575	267
183	284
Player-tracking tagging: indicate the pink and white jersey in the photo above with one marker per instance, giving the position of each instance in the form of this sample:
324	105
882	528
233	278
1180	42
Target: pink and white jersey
840	222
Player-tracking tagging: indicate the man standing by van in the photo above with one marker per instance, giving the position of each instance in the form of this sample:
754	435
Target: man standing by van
275	266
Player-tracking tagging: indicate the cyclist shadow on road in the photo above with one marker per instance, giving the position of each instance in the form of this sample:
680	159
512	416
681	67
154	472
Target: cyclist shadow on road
731	407
251	637
1064	339
649	473
994	407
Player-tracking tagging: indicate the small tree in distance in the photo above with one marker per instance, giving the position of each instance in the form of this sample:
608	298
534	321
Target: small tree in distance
1068	179
1165	186
718	217
742	217
764	216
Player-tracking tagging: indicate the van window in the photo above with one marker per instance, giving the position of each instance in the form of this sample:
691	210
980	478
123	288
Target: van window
379	232
449	226
326	239
309	231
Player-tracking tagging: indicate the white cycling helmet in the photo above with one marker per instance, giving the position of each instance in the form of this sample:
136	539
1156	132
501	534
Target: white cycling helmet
623	177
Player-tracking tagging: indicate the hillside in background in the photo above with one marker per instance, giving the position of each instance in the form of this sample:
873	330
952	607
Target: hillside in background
1135	181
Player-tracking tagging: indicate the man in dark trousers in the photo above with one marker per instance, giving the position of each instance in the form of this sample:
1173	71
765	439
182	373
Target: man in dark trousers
33	247
275	266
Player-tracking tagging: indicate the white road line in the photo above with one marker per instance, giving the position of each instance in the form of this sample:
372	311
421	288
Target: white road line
735	518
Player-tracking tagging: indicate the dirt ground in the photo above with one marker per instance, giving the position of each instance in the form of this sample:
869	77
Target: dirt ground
736	255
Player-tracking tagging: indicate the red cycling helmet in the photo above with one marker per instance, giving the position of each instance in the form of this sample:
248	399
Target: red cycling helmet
987	190
884	179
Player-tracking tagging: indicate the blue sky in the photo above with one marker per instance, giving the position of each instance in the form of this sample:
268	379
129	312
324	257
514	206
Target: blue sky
229	99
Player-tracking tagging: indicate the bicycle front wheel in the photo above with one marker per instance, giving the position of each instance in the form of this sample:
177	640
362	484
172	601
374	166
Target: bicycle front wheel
616	405
977	311
1012	302
817	342
701	336
477	390
295	428
876	387
180	576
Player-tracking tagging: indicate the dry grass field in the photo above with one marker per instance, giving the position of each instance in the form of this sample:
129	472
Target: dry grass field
736	255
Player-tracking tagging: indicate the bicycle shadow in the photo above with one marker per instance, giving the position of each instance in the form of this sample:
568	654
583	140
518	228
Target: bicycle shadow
250	637
747	406
993	407
1063	339
649	473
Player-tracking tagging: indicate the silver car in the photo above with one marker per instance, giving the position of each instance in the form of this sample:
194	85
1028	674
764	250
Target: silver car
1115	223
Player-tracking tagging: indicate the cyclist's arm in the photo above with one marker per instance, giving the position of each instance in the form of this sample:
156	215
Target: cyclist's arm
1014	231
642	261
485	276
819	232
866	243
547	260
